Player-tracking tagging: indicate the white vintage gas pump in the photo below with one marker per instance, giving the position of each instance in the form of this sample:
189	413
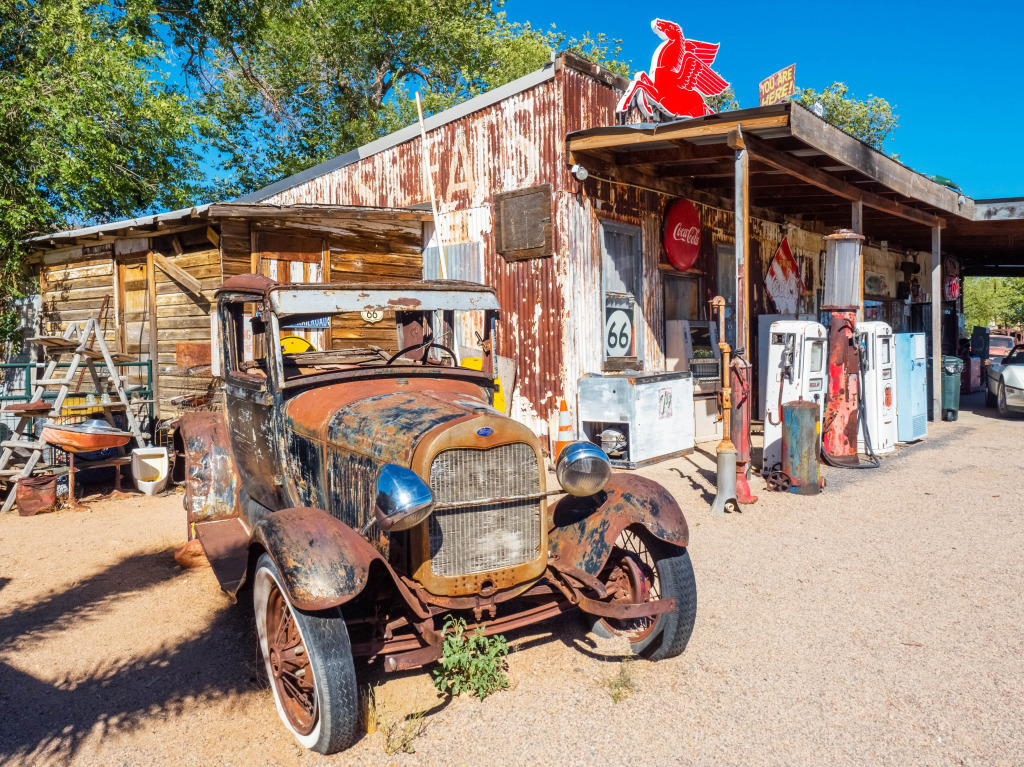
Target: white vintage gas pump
797	369
878	376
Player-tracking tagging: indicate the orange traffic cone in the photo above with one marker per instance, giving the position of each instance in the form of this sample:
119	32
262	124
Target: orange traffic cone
565	434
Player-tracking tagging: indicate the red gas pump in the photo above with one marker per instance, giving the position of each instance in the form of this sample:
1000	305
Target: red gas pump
839	427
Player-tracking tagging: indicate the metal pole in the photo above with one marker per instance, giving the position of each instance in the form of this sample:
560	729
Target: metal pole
430	186
936	323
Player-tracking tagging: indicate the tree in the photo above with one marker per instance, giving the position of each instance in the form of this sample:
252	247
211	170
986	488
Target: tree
92	127
994	300
872	121
725	101
312	80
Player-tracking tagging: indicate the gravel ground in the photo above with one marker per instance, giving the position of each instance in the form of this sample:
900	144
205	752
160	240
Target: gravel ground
877	623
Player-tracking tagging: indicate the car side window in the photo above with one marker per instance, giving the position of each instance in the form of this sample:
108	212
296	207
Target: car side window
245	343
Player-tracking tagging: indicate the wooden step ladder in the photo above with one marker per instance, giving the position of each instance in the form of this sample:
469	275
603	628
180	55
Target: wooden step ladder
85	343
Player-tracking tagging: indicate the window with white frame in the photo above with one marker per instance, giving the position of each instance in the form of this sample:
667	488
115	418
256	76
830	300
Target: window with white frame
622	311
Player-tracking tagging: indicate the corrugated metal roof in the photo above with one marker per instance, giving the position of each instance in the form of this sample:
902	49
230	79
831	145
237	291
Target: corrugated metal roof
457	112
173	215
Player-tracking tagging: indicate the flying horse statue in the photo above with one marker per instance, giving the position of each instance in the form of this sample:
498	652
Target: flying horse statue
680	78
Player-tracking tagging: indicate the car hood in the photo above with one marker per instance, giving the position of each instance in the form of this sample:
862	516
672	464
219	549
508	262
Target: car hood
382	422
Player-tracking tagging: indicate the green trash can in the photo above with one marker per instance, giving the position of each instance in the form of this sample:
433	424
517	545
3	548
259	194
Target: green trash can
952	368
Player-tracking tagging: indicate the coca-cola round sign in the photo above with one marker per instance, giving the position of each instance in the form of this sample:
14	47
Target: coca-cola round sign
682	235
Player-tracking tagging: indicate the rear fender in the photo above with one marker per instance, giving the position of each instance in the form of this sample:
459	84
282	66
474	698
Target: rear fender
322	561
212	485
585	529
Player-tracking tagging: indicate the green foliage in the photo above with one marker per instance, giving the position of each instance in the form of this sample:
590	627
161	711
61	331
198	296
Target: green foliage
471	662
304	82
93	128
872	121
993	299
725	101
620	684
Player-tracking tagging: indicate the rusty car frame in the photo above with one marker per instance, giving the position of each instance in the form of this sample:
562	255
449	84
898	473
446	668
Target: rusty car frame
364	494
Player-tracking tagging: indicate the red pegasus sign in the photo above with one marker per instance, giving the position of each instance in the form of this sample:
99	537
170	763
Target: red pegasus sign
680	78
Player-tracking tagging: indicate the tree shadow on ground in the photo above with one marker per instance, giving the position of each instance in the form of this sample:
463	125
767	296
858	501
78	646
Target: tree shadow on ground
47	721
86	600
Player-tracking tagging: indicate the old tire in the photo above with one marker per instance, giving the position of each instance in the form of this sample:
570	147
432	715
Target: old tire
669	575
1004	411
315	690
990	398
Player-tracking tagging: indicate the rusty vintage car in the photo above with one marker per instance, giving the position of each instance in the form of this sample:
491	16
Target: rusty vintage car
363	495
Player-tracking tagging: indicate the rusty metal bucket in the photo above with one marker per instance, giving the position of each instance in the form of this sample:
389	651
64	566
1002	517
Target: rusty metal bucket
801	432
36	494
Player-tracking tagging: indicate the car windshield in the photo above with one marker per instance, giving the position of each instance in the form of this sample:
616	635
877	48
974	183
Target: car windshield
325	330
1000	342
1016	357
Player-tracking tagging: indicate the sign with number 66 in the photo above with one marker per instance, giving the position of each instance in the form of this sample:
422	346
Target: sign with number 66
372	315
618	333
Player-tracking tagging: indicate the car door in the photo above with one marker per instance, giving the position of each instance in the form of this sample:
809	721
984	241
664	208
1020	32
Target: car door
249	389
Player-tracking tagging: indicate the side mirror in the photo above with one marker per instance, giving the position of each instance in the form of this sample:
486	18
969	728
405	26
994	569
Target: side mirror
403	499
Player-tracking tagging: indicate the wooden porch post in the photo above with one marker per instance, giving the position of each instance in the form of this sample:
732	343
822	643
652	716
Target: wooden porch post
936	323
857	224
154	333
742	234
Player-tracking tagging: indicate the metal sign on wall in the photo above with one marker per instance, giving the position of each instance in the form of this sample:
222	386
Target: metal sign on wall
680	77
783	281
682	235
778	88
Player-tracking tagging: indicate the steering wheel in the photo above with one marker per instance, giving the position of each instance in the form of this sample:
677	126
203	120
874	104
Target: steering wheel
425	344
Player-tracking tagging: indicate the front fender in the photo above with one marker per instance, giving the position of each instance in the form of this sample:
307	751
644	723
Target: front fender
322	561
212	485
584	530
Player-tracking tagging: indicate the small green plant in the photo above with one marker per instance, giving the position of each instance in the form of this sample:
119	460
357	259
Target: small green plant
620	684
471	661
397	732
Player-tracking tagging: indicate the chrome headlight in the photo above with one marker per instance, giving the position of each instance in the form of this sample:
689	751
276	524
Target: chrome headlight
403	499
583	469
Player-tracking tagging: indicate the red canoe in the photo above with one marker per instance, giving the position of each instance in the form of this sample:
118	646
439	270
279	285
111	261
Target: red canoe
84	439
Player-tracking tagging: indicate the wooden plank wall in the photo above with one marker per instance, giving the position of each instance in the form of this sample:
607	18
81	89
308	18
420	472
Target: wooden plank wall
183	318
74	283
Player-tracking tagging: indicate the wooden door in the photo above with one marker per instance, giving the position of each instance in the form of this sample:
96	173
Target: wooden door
133	301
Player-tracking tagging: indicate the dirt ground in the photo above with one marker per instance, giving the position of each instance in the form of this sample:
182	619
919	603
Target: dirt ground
877	623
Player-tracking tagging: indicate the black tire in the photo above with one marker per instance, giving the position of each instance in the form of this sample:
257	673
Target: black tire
1004	411
990	398
335	695
674	571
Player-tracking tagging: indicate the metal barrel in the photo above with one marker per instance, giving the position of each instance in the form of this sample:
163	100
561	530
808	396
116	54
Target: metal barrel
801	430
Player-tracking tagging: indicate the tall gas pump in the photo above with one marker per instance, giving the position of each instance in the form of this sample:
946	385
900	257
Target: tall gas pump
844	280
739	383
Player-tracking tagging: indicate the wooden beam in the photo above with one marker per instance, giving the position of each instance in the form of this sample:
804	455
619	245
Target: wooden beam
176	244
257	210
814	131
212	236
179	275
805	172
154	337
936	297
682	152
618	137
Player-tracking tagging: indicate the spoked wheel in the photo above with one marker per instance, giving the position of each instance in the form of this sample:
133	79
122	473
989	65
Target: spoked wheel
309	662
288	661
779	481
642	568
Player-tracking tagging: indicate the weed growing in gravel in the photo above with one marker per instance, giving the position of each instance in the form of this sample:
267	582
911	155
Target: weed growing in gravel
471	662
397	732
620	684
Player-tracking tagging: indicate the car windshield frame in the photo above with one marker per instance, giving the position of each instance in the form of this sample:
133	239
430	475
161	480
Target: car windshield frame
1015	356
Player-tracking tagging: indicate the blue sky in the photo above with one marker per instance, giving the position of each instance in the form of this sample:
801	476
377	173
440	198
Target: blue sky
954	71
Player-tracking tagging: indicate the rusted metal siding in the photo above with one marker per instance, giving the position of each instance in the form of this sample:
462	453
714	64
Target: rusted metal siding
507	146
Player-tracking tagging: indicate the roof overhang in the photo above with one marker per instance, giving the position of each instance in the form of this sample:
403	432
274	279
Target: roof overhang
801	167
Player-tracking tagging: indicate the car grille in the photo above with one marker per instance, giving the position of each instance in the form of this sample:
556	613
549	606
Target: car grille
488	534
